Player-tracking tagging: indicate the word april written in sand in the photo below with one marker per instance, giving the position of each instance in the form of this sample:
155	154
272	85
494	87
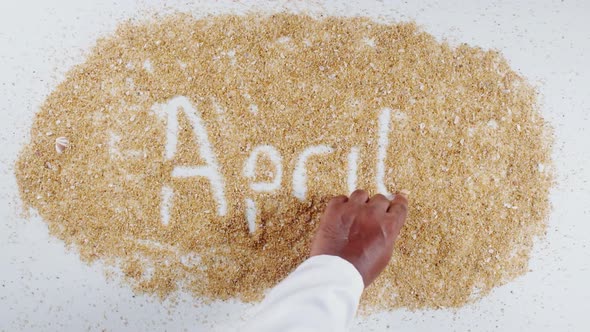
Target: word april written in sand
211	170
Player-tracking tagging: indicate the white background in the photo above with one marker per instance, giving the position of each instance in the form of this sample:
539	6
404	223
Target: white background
44	286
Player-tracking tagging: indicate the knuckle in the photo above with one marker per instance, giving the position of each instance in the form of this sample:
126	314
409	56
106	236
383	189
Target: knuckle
337	199
379	197
340	198
398	208
401	199
359	192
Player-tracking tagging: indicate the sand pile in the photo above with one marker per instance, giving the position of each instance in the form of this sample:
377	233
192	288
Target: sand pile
198	154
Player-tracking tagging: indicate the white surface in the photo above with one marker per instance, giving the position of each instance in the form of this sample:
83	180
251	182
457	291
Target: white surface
44	286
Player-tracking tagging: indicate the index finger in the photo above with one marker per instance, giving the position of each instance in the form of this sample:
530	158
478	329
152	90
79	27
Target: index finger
396	214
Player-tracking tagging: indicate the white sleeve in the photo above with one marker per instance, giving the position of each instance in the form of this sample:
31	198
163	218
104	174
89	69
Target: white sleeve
322	294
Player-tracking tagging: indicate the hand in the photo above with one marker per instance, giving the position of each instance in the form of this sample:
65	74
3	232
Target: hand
361	230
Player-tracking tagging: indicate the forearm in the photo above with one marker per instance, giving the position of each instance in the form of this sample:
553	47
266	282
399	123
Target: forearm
322	294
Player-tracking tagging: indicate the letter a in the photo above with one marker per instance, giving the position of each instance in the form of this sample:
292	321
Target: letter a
169	111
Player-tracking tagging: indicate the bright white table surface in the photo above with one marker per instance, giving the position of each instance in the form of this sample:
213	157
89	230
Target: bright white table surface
45	287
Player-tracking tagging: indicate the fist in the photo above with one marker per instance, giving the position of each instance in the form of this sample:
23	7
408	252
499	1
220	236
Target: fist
361	231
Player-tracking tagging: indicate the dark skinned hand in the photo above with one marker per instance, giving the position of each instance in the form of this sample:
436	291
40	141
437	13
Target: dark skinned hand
361	231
